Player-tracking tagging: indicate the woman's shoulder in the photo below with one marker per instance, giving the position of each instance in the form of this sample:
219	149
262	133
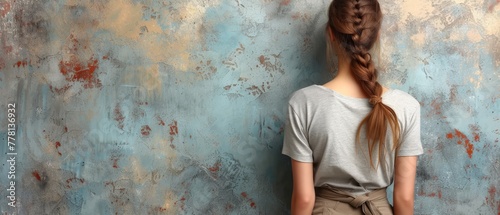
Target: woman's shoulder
402	99
305	94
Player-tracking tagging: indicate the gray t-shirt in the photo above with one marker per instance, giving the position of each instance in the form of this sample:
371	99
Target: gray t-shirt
321	128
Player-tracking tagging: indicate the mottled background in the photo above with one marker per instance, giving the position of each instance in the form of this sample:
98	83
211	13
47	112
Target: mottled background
177	107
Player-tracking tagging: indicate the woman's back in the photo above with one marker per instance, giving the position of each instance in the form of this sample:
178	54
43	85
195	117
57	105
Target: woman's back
322	130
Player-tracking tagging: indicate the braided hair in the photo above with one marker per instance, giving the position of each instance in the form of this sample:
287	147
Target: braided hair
355	24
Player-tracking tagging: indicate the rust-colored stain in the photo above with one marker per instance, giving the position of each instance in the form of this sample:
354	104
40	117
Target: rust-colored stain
70	180
229	207
160	121
475	132
462	140
252	203
490	9
174	130
476	137
271	64
439	194
492	191
262	60
160	209
36	175
4	9
491	198
145	130
119	116
22	63
215	167
58	144
60	90
436	106
74	70
285	2
115	163
182	202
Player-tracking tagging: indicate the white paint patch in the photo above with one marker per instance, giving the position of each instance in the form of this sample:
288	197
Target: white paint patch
474	36
418	9
476	79
491	22
418	39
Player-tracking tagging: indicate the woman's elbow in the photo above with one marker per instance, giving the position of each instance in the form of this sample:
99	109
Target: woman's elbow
305	201
406	202
403	204
404	197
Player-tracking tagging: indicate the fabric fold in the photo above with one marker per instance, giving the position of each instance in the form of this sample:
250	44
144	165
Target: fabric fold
365	201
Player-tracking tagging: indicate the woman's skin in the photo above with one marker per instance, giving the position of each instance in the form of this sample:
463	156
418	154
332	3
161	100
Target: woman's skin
404	184
303	196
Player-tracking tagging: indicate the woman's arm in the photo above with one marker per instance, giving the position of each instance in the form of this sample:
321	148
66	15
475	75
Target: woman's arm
303	195
404	184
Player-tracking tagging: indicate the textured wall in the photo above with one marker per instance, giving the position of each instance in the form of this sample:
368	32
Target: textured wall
177	107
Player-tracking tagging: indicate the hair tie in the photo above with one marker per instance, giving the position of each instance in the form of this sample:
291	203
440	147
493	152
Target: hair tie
374	100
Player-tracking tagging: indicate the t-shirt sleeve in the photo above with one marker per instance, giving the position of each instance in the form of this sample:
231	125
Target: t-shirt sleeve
295	143
411	144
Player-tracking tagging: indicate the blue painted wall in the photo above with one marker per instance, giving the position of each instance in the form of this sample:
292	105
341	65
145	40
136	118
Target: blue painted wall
177	107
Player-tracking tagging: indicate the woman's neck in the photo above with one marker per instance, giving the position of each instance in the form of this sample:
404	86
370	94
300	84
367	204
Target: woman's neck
344	82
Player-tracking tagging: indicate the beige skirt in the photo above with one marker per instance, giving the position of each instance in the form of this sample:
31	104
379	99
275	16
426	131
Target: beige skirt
331	201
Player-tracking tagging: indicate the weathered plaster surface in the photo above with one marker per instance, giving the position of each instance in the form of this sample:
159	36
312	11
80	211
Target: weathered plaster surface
177	107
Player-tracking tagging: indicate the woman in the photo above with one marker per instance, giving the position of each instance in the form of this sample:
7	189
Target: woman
351	138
